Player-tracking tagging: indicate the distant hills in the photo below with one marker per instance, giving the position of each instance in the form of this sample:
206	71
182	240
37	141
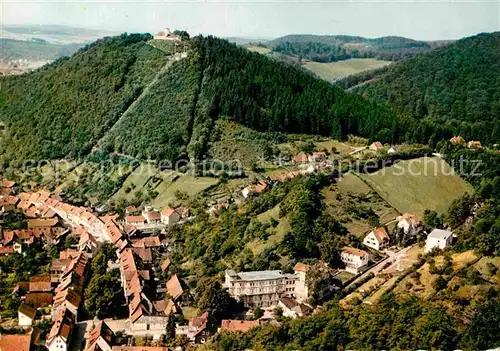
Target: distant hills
122	94
454	90
34	50
330	48
54	34
119	94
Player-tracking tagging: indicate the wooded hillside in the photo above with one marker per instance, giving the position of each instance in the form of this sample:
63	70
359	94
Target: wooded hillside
454	90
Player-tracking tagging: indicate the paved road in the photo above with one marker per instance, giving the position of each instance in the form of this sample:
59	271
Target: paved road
379	266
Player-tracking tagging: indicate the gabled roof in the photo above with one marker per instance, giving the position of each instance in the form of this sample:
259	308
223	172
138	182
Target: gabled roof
134	219
42	222
166	264
237	325
301	267
28	311
353	251
144	253
40	283
15	342
101	329
174	287
152	215
381	235
62	326
168	211
37	300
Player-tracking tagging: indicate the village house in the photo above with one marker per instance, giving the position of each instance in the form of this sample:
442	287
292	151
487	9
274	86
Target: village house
473	144
264	288
199	329
59	336
457	140
134	220
139	348
317	156
254	189
409	223
438	239
101	338
301	158
391	151
40	283
169	216
377	239
176	290
355	260
292	308
165	264
26	315
15	342
152	216
129	210
233	325
39	299
376	146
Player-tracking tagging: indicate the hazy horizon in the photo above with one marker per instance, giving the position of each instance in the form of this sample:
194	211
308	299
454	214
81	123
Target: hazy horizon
421	20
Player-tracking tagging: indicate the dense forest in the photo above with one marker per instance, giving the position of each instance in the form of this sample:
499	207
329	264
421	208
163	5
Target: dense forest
454	90
330	48
65	109
34	50
62	109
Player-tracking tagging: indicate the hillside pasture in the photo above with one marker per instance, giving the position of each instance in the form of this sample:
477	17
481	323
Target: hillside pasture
414	185
334	70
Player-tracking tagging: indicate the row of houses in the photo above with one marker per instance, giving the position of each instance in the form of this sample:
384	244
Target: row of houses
167	216
473	144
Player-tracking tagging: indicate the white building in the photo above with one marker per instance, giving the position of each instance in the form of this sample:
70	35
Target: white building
354	259
60	334
409	223
265	288
169	216
293	309
438	239
101	338
26	315
377	239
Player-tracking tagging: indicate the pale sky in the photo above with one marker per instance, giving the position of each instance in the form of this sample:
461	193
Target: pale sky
420	19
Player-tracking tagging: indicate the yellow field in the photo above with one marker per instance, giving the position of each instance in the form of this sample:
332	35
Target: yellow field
334	70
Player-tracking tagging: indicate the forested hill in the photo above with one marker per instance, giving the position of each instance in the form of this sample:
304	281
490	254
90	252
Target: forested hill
453	90
329	48
122	94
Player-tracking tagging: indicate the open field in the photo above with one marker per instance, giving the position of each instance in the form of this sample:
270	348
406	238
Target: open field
414	185
333	70
350	199
259	49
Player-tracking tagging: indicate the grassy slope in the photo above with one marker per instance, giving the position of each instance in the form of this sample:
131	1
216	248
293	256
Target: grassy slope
26	50
352	191
435	188
334	70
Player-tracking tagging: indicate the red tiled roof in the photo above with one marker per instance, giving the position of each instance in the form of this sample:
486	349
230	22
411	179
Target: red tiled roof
134	219
353	251
174	287
168	211
40	283
17	342
37	300
381	235
152	216
42	222
301	267
62	326
236	325
166	264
